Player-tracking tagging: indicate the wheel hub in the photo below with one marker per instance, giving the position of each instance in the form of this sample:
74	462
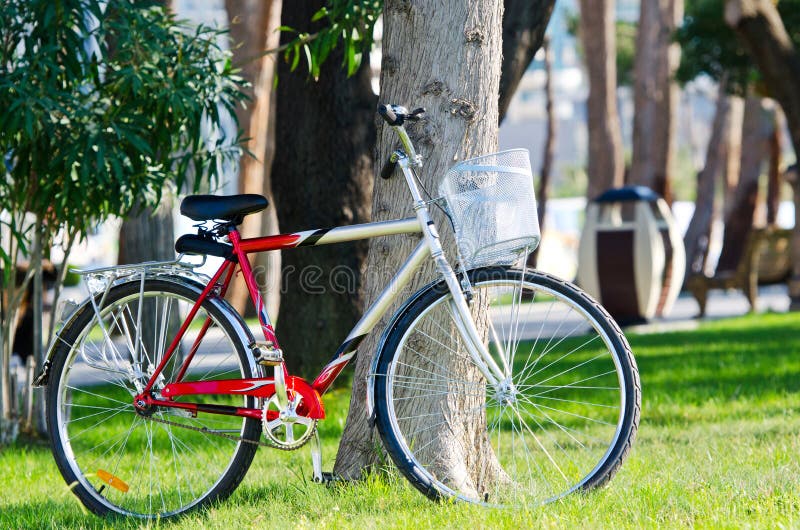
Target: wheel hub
507	393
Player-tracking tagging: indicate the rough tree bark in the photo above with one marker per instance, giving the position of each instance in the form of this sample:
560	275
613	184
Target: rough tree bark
655	94
321	177
606	166
253	28
760	28
549	146
455	74
726	120
524	24
757	130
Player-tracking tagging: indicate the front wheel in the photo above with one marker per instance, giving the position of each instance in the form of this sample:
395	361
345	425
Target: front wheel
563	419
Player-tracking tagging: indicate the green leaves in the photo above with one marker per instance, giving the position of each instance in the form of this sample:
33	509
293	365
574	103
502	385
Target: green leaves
349	23
100	115
710	47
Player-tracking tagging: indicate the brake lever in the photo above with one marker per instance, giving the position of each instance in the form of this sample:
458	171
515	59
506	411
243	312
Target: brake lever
416	114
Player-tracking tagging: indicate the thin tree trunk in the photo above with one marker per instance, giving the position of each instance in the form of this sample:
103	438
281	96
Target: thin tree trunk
606	162
757	130
322	177
67	245
8	423
698	234
760	28
655	95
5	394
253	27
460	92
774	173
792	176
549	146
733	156
524	24
35	422
13	290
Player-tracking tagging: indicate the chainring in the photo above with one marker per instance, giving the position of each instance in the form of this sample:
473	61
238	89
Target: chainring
286	430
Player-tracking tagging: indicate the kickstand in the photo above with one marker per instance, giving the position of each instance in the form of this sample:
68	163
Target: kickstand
316	457
320	477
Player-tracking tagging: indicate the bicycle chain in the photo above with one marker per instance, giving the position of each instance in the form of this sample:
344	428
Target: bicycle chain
223	435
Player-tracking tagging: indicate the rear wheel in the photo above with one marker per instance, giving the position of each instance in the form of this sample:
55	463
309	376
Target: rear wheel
563	419
120	461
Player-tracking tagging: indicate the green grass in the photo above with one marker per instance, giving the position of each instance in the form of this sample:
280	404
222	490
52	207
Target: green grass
718	447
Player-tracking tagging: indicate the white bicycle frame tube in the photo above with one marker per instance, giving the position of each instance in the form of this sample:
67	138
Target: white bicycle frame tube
428	246
463	316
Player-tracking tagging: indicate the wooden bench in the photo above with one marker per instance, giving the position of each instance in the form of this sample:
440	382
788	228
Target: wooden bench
765	259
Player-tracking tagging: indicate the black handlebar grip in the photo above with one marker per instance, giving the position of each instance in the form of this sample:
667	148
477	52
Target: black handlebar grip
388	114
388	169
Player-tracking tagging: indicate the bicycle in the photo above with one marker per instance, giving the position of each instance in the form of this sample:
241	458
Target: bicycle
494	385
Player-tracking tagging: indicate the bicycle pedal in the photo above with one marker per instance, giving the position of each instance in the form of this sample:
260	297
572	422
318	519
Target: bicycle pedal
266	354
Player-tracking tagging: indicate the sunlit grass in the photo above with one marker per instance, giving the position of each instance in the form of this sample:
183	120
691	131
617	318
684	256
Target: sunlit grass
718	446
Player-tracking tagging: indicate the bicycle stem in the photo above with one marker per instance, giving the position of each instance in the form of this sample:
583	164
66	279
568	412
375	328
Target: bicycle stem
463	316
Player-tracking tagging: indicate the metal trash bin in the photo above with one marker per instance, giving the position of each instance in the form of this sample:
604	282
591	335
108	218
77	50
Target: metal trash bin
631	256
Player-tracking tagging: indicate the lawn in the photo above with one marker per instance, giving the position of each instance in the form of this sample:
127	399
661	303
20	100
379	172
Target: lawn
718	446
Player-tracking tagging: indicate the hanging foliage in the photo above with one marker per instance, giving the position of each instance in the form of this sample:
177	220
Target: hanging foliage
104	104
346	23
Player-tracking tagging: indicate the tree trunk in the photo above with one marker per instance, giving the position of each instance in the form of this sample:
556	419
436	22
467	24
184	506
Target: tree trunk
698	234
14	283
322	177
760	28
35	420
774	173
655	94
792	176
549	146
253	27
455	75
732	156
524	24
147	236
606	162
757	131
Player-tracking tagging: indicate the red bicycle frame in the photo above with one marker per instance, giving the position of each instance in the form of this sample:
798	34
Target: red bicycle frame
311	404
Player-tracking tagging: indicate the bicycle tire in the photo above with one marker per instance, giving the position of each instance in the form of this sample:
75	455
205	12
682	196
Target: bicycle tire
566	429
102	446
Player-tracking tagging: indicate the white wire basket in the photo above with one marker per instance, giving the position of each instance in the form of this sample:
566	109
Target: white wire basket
491	202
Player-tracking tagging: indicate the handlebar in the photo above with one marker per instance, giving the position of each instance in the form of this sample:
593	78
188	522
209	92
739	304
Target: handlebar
396	116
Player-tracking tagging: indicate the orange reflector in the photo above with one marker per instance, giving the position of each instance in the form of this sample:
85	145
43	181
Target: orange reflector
111	480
